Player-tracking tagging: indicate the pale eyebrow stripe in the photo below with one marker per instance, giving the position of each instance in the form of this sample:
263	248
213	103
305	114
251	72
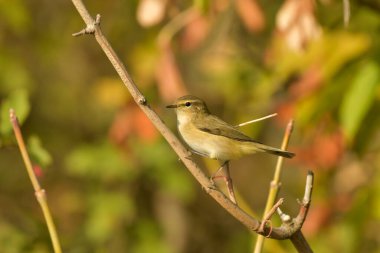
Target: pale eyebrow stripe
192	102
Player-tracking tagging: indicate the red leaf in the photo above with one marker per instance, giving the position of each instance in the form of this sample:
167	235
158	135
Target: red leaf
38	171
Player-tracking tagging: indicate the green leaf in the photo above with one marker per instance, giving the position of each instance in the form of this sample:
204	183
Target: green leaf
106	212
19	101
149	238
359	98
163	166
16	15
12	238
202	5
101	160
38	153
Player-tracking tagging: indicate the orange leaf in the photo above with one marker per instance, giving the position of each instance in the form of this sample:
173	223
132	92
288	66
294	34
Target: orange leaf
131	121
169	79
319	215
251	14
195	32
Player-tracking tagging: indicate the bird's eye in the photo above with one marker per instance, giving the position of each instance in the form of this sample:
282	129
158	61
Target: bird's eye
187	104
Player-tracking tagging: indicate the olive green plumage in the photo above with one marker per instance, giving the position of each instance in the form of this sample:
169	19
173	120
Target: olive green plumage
212	137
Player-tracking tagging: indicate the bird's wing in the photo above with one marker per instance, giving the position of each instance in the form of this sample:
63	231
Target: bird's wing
213	125
221	128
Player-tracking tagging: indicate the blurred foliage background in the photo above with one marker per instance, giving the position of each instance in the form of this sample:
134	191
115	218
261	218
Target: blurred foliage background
113	183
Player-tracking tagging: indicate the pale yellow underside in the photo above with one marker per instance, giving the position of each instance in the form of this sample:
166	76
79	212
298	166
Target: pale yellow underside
215	146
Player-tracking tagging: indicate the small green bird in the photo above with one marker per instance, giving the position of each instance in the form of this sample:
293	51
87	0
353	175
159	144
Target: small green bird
209	136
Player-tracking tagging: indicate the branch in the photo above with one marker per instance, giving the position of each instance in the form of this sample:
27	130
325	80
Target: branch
346	12
297	238
38	191
257	120
282	232
275	183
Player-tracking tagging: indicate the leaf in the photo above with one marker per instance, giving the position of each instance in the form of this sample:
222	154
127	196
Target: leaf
359	98
202	5
107	211
148	238
12	238
162	164
15	14
38	153
251	15
169	79
296	22
102	161
195	32
150	12
19	101
109	93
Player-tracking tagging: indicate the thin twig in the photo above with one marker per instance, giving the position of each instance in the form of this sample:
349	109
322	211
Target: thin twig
297	238
308	188
179	21
282	232
38	191
275	183
270	213
346	12
257	120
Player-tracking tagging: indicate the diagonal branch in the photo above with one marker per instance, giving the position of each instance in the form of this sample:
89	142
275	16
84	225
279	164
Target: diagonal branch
283	232
39	192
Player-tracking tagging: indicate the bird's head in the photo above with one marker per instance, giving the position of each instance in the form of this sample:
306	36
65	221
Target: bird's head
189	106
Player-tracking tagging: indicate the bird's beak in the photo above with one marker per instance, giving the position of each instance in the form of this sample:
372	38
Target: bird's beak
171	106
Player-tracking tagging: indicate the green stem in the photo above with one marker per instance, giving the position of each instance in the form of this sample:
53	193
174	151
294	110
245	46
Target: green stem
275	183
39	192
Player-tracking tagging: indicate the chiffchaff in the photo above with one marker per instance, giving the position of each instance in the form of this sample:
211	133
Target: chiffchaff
209	136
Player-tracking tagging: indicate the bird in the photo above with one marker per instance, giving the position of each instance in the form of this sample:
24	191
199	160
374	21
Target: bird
210	136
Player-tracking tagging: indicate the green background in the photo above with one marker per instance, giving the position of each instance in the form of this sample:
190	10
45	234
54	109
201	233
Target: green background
114	184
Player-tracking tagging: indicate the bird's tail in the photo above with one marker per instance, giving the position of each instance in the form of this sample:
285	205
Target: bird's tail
274	151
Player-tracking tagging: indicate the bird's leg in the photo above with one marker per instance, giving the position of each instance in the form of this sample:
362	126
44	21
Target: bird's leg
229	184
227	178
